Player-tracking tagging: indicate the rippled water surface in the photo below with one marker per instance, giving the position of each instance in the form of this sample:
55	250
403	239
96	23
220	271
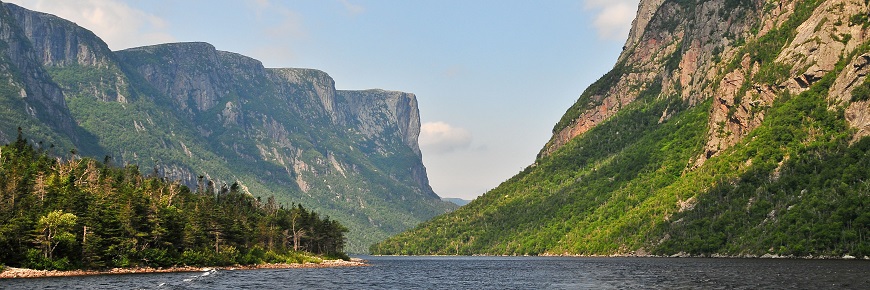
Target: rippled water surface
501	273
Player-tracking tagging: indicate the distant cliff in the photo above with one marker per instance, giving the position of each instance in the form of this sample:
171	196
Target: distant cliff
726	127
210	118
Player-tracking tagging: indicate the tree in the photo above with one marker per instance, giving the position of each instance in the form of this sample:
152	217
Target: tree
54	229
298	230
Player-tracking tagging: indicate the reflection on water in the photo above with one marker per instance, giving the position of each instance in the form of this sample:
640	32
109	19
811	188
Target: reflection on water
500	273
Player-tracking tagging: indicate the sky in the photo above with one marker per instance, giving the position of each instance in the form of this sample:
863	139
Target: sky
492	77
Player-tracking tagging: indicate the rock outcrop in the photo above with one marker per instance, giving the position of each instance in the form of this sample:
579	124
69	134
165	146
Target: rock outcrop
705	56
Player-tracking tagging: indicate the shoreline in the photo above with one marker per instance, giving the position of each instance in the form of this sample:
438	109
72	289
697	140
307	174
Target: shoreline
678	255
15	273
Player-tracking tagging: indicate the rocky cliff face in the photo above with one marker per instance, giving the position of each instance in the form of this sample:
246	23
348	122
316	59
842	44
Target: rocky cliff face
186	110
709	55
60	45
370	110
726	127
194	75
31	95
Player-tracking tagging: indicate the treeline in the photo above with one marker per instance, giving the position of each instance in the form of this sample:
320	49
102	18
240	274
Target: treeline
81	213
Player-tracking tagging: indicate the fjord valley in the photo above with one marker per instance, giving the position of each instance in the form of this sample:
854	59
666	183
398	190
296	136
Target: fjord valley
212	120
725	128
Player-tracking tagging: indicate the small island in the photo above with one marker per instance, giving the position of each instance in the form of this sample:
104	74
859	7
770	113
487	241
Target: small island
78	216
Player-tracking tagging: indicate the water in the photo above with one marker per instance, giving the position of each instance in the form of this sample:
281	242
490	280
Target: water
500	273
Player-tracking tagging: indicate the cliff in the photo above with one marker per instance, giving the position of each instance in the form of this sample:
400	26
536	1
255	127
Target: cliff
726	127
190	112
31	99
712	55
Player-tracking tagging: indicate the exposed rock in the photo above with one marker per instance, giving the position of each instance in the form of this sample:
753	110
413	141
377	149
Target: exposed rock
857	113
59	43
62	44
704	44
21	69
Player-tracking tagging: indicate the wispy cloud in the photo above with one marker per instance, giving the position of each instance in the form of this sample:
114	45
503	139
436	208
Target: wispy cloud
353	9
440	138
261	3
453	71
613	17
118	24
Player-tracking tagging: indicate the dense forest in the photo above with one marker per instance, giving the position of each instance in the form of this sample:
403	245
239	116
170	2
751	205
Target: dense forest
72	212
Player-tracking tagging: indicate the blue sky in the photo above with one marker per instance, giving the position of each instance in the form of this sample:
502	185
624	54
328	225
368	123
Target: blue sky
491	77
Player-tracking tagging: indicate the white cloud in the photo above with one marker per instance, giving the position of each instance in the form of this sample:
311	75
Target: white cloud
613	17
440	138
353	9
118	24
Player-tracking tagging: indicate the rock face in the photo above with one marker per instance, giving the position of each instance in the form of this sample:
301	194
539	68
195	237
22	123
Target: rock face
33	100
704	56
60	46
194	113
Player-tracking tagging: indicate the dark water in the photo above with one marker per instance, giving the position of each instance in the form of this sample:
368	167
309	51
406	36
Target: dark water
501	273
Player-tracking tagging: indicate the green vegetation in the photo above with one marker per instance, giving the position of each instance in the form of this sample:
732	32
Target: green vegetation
81	213
591	97
804	194
572	200
862	91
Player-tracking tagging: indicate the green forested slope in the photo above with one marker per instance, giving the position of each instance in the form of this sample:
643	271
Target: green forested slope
796	186
657	178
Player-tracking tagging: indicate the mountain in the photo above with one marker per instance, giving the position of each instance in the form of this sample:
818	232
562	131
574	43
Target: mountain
726	127
210	118
457	201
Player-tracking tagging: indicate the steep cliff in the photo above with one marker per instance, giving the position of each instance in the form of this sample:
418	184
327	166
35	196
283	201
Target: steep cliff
31	100
726	127
185	110
73	55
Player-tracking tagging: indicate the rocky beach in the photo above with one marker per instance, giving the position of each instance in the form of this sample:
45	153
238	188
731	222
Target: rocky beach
11	272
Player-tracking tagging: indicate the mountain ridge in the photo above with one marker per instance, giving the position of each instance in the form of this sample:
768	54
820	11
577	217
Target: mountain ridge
209	118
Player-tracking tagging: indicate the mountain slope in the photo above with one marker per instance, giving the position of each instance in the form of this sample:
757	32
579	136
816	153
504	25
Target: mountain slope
210	118
725	127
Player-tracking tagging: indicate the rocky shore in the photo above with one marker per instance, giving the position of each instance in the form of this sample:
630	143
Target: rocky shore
687	255
10	272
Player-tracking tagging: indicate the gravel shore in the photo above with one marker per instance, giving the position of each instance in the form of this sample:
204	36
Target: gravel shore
11	272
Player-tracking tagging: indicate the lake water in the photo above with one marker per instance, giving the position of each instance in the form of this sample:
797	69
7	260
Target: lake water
501	273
